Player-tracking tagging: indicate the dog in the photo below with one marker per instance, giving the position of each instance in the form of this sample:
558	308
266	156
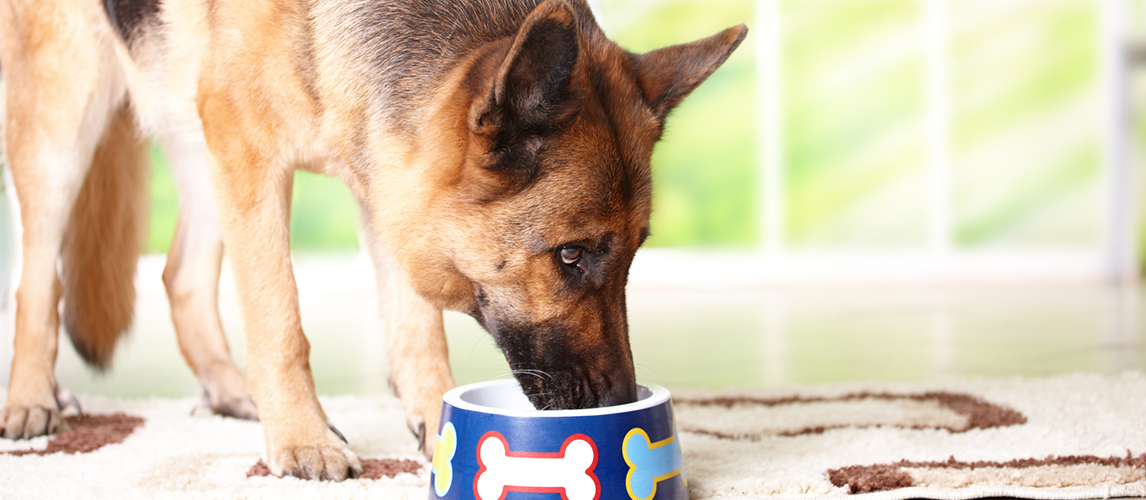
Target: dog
499	151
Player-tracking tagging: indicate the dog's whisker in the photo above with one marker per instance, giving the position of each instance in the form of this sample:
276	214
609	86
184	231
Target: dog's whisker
535	373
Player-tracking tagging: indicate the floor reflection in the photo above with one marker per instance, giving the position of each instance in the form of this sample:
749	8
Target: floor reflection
713	339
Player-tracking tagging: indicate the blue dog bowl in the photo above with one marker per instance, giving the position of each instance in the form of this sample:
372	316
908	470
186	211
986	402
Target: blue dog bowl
492	444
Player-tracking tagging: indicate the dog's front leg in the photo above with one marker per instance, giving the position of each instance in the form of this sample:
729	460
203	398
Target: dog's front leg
416	344
47	189
254	200
32	408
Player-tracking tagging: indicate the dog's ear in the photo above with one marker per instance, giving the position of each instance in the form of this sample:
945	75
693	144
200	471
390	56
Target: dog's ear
532	85
670	74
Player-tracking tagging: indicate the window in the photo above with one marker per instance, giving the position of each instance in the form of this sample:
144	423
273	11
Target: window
894	139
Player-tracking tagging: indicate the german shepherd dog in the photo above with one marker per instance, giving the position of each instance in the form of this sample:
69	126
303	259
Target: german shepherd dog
499	150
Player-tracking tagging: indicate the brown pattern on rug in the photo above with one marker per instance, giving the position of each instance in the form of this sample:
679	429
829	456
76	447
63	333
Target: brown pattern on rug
88	433
372	468
884	477
980	413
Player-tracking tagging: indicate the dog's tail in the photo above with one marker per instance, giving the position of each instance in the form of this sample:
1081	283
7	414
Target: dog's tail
103	241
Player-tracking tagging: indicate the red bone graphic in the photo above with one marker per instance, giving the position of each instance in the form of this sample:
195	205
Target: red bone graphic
568	472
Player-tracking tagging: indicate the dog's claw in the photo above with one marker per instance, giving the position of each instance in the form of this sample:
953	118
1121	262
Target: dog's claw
65	399
417	427
339	434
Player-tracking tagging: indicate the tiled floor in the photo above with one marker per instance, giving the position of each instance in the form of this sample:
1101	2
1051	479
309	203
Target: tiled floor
712	339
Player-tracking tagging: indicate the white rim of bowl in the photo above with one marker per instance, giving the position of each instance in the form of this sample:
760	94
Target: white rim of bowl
454	398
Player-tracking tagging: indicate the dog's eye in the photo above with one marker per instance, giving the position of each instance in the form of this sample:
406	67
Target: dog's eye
571	255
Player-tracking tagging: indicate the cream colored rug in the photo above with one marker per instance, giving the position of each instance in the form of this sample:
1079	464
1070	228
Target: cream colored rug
1066	437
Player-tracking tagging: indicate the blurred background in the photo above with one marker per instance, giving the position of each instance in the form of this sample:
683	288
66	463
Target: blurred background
868	189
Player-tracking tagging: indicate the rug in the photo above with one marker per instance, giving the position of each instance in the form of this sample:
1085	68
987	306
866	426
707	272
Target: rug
1064	437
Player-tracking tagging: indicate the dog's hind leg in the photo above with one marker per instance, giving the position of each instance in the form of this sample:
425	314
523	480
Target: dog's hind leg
61	86
416	343
192	281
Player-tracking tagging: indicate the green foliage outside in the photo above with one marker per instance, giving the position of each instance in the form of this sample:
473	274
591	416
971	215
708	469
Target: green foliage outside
323	212
853	94
164	203
1027	125
1025	165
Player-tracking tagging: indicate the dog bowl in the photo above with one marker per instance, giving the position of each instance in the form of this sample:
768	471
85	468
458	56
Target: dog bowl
492	444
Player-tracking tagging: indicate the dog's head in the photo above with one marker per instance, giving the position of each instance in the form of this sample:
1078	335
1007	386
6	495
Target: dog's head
539	221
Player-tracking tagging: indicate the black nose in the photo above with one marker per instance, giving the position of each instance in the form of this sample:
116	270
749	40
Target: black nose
614	382
622	391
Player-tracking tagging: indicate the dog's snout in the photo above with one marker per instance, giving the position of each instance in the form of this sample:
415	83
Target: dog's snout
566	366
622	392
577	384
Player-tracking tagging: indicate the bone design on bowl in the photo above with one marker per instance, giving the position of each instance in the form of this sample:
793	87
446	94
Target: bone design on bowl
492	442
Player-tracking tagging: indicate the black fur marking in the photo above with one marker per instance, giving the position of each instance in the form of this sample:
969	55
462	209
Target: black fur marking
412	45
537	87
128	16
538	102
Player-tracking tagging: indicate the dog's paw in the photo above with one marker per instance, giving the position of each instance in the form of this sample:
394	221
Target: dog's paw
424	426
26	418
328	461
241	406
225	393
422	397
